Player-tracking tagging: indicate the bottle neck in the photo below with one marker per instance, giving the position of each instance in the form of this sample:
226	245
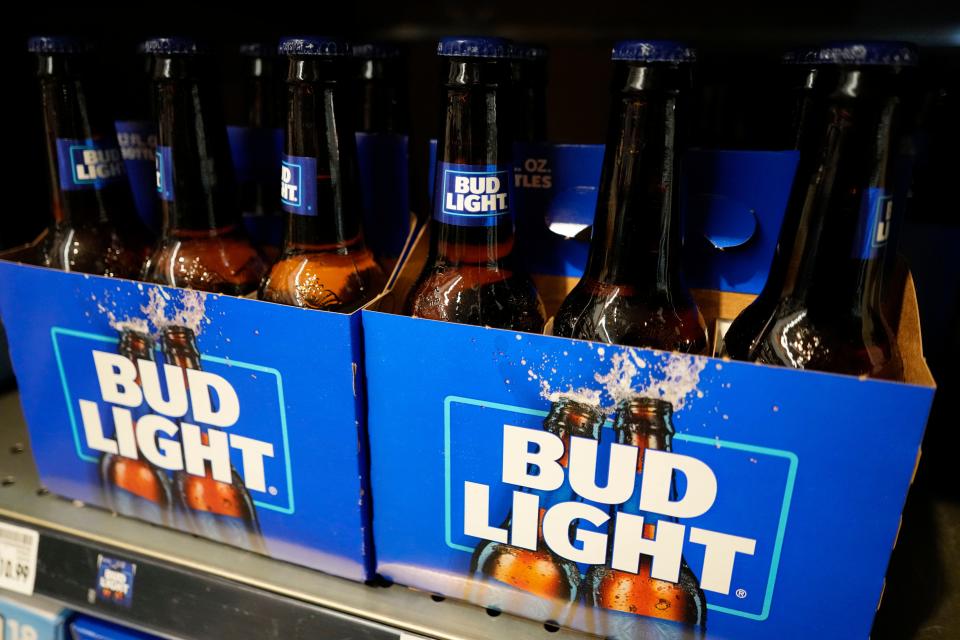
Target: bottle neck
565	428
530	89
320	159
261	93
841	206
382	100
655	433
85	166
472	215
195	178
636	239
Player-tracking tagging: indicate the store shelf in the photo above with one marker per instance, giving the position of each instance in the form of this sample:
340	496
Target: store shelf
188	587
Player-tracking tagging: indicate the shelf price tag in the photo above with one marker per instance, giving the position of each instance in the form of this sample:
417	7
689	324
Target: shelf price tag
18	558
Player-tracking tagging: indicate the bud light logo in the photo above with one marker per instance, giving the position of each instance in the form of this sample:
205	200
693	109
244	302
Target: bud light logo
164	164
874	226
473	196
221	417
88	164
298	185
115	580
732	545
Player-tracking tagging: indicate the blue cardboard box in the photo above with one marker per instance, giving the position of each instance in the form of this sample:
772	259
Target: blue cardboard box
250	430
764	485
32	618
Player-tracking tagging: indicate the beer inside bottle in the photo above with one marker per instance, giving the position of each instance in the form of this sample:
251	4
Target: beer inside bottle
215	509
821	305
256	142
203	245
95	226
135	487
528	69
471	276
632	291
325	263
644	423
539	570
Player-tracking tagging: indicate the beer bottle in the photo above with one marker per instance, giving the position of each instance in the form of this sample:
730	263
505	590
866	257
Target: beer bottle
645	423
383	148
632	291
381	88
325	263
136	126
134	487
528	68
256	142
203	245
95	227
471	276
218	510
820	307
541	571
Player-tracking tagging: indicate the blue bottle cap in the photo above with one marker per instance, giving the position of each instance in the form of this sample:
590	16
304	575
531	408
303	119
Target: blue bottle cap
173	46
314	46
653	51
475	47
57	44
375	50
528	51
889	54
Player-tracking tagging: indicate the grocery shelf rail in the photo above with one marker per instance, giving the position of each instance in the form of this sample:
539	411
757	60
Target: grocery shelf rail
188	587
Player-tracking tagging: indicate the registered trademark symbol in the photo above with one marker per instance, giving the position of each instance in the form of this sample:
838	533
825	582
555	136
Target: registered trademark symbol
741	593
272	491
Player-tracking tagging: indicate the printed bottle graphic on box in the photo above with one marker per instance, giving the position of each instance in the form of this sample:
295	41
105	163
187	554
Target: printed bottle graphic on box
214	507
134	486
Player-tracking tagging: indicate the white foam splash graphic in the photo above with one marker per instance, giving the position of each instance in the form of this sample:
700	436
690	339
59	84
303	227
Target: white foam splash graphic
190	312
160	311
672	377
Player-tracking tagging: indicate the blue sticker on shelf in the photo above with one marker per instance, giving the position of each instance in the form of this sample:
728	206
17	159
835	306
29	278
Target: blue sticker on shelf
115	580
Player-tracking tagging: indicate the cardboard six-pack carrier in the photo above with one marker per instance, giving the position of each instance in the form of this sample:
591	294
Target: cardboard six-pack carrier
782	493
783	490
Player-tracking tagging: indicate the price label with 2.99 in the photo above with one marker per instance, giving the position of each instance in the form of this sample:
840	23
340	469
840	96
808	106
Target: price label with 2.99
18	558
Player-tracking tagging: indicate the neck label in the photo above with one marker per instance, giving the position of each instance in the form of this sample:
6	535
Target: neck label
164	162
92	163
874	225
298	185
472	195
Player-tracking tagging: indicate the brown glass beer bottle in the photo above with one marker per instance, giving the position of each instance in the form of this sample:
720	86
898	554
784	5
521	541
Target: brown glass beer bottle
203	245
325	263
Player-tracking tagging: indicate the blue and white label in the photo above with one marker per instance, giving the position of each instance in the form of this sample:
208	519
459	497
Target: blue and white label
115	580
138	145
875	223
298	185
88	164
164	165
472	195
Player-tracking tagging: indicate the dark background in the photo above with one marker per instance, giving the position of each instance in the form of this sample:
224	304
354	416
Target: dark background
739	42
